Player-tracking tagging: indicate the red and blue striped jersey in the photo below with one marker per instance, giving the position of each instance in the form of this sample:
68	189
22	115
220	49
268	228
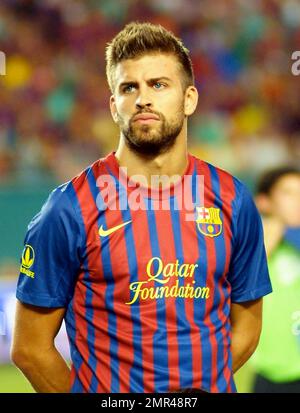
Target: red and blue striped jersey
147	277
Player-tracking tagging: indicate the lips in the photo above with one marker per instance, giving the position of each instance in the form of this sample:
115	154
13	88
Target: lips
146	116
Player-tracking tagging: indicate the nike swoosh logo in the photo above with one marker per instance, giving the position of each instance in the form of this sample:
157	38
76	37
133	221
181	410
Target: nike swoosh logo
105	232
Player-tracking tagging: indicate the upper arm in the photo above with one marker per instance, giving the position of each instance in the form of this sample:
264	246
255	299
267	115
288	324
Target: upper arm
246	317
51	258
248	273
35	328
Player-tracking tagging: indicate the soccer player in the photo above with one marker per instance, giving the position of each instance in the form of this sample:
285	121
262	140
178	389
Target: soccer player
277	357
159	281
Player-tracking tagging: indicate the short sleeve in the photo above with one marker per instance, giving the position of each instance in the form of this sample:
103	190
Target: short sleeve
248	273
51	257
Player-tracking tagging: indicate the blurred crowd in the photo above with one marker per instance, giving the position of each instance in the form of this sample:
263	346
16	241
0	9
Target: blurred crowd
54	114
55	120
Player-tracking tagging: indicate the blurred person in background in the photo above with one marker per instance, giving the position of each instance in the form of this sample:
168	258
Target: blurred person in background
277	358
157	296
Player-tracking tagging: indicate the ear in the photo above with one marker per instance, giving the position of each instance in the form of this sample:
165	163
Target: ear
263	204
113	109
190	100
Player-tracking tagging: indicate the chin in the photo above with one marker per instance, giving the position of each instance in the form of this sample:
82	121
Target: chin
147	137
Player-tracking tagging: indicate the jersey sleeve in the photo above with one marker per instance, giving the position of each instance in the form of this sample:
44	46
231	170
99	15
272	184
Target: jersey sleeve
248	273
51	257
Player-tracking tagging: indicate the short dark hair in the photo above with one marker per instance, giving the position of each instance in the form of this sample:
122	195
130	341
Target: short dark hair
138	39
269	178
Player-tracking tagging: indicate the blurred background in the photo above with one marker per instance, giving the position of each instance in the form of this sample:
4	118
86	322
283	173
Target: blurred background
55	119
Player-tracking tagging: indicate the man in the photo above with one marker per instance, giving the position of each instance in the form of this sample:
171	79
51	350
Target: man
278	199
160	282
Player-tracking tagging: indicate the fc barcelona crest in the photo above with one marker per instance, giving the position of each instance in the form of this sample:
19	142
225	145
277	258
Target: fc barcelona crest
209	221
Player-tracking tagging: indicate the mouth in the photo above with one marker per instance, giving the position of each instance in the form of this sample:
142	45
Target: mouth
146	118
146	121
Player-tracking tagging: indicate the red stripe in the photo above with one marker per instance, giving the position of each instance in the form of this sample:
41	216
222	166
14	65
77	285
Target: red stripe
191	255
89	213
141	234
227	194
209	198
84	373
168	255
121	274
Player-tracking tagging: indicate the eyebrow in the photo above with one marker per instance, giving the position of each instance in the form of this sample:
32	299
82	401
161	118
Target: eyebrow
152	80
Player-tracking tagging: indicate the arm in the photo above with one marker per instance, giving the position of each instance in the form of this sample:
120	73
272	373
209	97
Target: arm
246	321
33	349
273	233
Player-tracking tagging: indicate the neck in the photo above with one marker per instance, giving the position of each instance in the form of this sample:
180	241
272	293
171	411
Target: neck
172	163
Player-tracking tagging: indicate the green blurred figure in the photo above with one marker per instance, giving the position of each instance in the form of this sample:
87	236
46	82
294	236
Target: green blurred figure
277	358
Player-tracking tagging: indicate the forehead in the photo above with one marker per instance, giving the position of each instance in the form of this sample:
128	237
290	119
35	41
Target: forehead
288	181
148	66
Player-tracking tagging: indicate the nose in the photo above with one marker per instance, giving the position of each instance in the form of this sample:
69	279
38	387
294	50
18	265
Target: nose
143	100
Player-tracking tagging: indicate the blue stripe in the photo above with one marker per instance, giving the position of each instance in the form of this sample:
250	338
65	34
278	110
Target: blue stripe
228	328
109	294
75	354
88	302
136	372
220	267
232	240
199	313
183	327
160	342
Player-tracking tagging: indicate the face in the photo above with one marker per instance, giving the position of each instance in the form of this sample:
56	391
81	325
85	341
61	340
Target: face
149	103
284	200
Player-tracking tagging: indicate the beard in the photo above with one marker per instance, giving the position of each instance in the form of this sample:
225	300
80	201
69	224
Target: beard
153	139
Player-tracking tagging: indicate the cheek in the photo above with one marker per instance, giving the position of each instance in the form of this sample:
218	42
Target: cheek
124	110
121	108
287	205
294	206
172	107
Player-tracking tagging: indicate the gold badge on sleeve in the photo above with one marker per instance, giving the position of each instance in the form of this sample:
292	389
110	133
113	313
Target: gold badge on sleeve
28	257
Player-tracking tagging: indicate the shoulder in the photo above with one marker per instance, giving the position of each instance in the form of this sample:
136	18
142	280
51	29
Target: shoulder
80	182
221	179
62	203
76	198
86	181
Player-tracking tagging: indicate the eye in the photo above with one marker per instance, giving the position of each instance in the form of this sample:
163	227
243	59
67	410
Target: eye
158	85
128	88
